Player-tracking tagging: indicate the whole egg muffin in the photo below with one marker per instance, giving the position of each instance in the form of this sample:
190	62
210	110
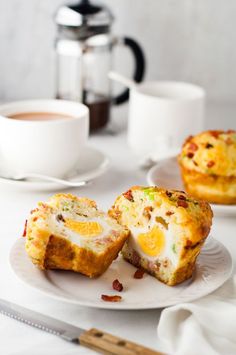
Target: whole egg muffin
167	230
70	233
208	166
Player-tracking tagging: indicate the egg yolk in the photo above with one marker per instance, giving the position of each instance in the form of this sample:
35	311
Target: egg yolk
153	242
87	229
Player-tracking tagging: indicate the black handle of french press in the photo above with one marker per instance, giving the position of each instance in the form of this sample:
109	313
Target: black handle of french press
139	69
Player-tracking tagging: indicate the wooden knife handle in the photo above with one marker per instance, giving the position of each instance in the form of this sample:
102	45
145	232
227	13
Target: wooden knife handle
108	344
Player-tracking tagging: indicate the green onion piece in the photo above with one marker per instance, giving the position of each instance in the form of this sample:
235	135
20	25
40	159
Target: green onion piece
174	248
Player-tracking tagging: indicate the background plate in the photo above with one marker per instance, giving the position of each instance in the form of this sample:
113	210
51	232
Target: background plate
166	174
214	266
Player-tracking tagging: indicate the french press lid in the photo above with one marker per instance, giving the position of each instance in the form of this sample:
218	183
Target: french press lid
83	19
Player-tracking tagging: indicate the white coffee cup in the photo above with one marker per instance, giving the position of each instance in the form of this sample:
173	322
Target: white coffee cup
161	115
44	146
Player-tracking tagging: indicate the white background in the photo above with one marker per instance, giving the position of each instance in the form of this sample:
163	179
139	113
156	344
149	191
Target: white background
184	40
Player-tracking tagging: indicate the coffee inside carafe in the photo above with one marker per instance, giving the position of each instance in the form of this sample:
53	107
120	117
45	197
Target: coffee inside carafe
99	109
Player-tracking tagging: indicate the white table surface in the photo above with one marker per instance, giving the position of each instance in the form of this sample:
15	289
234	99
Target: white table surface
139	326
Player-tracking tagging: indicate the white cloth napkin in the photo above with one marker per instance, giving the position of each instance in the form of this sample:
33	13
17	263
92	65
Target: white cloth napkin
206	326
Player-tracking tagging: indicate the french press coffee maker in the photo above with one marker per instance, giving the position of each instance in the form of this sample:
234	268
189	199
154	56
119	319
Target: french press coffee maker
84	48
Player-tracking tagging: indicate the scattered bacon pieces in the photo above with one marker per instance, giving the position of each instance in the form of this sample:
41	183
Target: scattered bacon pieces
195	163
117	285
188	243
209	145
168	193
190	155
25	228
139	274
128	195
35	210
187	140
60	218
182	203
107	298
169	213
215	133
146	212
210	164
182	197
193	146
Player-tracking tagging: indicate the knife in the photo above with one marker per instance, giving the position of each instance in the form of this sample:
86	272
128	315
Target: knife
95	339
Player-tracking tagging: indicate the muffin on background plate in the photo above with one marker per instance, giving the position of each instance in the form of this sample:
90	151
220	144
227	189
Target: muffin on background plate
208	166
167	230
70	233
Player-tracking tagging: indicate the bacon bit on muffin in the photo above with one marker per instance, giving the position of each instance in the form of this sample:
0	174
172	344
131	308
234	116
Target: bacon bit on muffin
146	211
209	145
195	163
60	218
117	285
35	210
188	139
193	146
182	203
128	195
190	155
215	134
139	274
182	197
210	164
107	298
188	243
169	213
25	228
168	193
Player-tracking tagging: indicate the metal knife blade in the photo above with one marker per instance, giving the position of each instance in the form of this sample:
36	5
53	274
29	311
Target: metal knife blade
40	321
95	339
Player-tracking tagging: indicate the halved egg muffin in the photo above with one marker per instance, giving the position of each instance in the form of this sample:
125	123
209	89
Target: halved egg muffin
167	230
208	166
70	233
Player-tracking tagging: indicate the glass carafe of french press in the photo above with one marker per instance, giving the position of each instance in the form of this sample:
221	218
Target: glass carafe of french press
84	49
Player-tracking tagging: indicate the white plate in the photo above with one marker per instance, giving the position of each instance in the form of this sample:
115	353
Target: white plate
91	164
166	173
214	266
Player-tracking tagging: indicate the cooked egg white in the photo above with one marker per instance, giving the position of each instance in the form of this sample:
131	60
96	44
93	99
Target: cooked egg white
78	229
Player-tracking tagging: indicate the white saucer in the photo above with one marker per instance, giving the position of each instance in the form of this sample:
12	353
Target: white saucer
213	268
92	164
166	174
